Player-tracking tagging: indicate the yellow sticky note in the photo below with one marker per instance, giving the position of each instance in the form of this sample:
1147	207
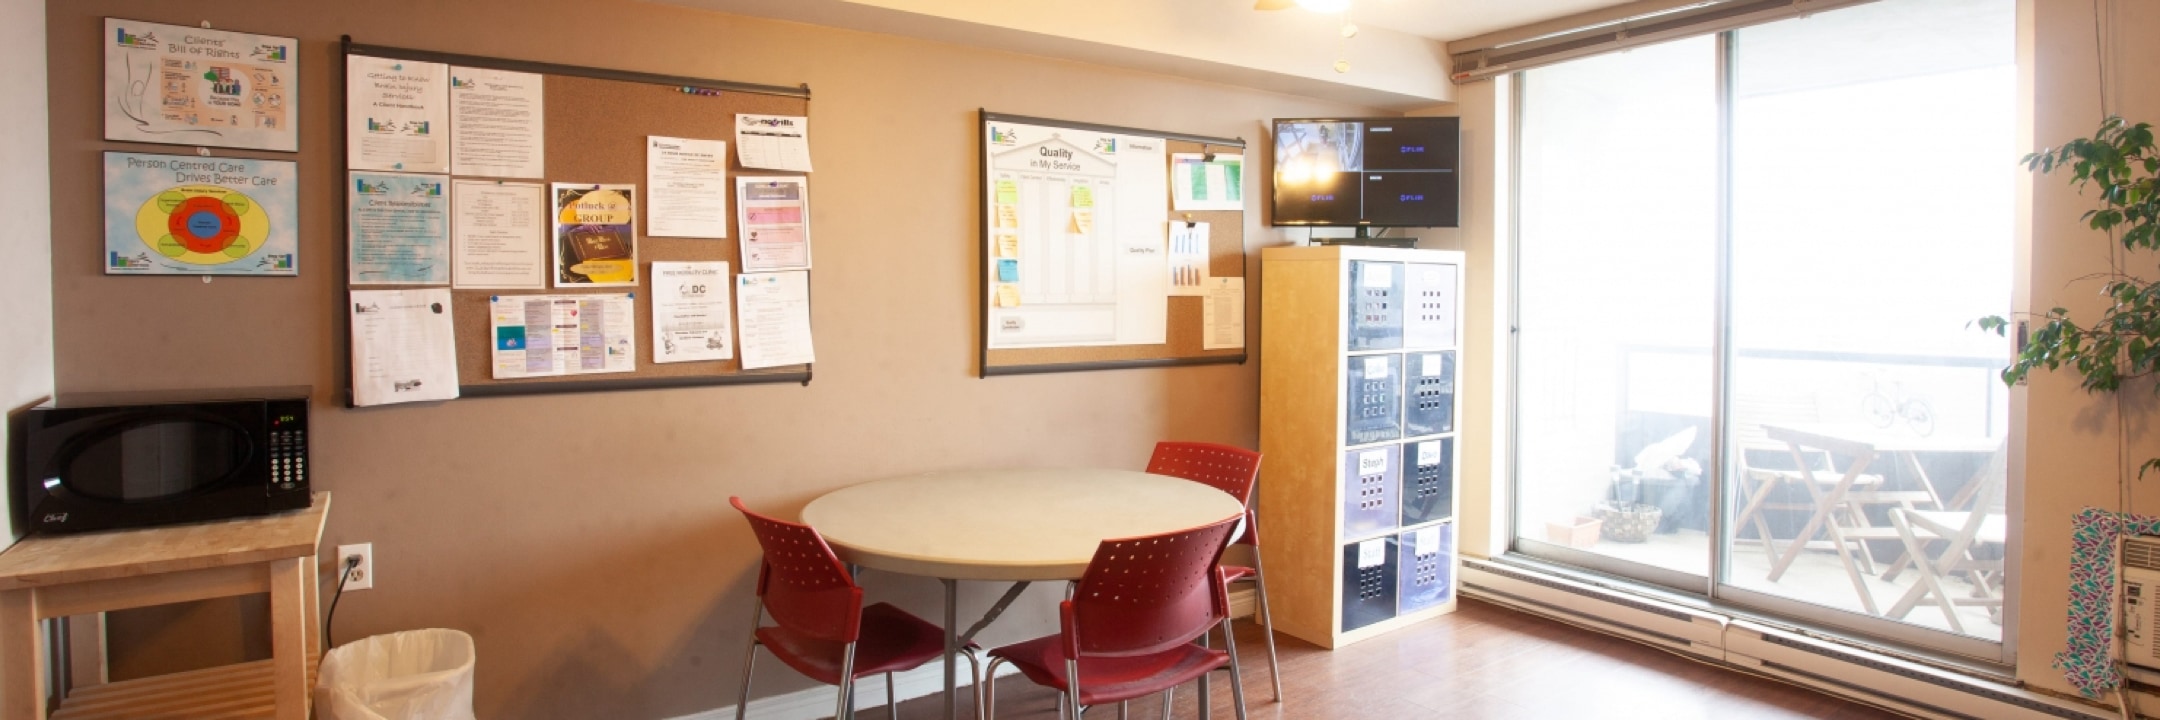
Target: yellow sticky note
1008	296
1083	222
1008	216
1008	246
1083	196
1008	192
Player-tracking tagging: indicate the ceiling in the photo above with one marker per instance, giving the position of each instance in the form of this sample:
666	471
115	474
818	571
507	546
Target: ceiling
1397	60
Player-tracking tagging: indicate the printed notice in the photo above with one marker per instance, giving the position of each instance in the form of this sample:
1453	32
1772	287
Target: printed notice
773	142
497	123
544	335
1224	321
690	312
402	347
1080	215
1207	182
399	227
1188	258
396	115
595	234
498	235
774	314
686	187
194	86
775	223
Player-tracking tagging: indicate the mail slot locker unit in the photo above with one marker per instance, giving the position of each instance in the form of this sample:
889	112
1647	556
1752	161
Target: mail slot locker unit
1376	310
1429	305
1429	393
1370	477
1359	427
1374	413
1428	481
1368	582
1426	574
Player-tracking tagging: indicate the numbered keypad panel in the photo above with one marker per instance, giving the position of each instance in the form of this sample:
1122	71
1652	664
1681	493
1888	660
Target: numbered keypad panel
1428	481
1376	305
1429	380
1426	576
1368	582
1429	305
1373	399
1370	478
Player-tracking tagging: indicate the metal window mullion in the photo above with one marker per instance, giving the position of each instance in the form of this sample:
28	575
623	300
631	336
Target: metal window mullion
1517	82
1722	455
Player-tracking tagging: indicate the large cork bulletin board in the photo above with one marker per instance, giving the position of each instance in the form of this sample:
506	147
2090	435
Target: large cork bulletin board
597	121
1183	346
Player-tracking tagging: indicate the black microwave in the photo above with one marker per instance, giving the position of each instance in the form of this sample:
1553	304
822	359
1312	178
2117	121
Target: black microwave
96	461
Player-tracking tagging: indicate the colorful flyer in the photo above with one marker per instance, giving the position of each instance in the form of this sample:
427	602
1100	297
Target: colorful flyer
187	215
545	335
192	86
775	222
398	228
595	235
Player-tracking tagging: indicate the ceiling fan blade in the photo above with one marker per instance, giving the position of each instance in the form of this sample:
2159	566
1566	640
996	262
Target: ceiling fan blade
1274	4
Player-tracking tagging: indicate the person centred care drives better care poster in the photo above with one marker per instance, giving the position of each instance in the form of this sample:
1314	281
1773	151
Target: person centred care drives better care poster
189	215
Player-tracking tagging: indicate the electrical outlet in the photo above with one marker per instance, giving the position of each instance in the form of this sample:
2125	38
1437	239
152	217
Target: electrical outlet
363	575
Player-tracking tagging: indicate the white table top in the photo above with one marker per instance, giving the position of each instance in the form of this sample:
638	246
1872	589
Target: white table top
1039	524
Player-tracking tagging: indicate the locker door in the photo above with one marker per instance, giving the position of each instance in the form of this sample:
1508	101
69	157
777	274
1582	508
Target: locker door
1428	488
1374	399
1376	305
1426	576
1368	582
1369	486
1429	387
1429	305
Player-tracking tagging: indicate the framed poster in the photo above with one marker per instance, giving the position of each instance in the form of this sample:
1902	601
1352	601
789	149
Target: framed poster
187	215
194	86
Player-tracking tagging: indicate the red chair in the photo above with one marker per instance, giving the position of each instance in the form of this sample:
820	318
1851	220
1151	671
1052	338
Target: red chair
822	629
1236	471
1128	628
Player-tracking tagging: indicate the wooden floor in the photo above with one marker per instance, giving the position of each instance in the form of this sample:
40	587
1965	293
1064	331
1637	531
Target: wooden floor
1484	661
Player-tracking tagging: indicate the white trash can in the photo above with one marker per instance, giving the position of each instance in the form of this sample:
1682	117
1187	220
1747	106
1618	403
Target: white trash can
411	675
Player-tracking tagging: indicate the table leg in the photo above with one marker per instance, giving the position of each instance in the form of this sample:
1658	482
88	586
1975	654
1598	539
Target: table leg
1824	506
288	636
22	655
1006	601
952	641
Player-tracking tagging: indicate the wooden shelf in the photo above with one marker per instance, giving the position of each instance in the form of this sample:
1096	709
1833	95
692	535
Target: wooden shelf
246	690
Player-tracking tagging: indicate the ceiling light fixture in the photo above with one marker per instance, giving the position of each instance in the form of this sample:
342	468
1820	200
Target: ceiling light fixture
1318	6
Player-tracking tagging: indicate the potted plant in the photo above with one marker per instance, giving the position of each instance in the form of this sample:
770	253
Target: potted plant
2123	343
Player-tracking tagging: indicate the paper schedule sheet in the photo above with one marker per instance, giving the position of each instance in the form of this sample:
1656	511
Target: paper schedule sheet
773	142
1223	317
774	316
498	235
402	346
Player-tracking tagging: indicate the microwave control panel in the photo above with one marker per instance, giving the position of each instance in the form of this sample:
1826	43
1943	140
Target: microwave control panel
288	445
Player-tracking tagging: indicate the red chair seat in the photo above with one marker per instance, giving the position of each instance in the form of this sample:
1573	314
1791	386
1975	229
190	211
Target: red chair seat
892	640
1234	573
1111	679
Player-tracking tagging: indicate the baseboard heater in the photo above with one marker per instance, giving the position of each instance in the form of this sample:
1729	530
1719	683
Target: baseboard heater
1853	673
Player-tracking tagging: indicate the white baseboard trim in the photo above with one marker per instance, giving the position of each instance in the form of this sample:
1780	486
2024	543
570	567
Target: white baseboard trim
815	703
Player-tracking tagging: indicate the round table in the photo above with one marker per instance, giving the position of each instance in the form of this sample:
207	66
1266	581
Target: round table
1004	525
1038	524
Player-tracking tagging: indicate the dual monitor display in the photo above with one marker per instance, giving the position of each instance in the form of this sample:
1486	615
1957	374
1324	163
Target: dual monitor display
1375	172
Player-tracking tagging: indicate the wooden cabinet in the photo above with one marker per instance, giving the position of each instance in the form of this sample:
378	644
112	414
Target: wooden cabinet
1360	354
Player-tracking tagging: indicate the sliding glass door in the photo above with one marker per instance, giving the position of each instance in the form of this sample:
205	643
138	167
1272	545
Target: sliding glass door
1748	264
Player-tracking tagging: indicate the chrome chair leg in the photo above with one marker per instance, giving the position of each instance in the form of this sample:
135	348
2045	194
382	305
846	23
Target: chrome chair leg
892	706
757	614
1267	621
1237	679
1168	696
847	676
988	692
975	671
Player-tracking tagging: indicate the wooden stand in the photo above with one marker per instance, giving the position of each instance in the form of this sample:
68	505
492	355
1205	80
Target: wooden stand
46	577
1307	360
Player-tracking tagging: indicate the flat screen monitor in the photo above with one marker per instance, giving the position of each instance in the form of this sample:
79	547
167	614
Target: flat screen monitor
1374	172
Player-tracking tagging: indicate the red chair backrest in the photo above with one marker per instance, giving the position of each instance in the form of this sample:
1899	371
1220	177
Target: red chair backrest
1144	595
1227	468
805	587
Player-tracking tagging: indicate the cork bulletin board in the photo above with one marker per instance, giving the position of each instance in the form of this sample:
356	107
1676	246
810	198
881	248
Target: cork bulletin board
596	124
1184	314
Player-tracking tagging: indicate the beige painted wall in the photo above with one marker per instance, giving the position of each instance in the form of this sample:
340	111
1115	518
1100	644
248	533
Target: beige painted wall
2071	455
26	329
608	578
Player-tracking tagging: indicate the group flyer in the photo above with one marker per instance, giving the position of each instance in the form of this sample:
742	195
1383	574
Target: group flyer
402	346
397	114
547	335
498	235
774	315
1210	181
399	227
595	235
691	320
775	221
190	215
687	187
195	86
497	123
